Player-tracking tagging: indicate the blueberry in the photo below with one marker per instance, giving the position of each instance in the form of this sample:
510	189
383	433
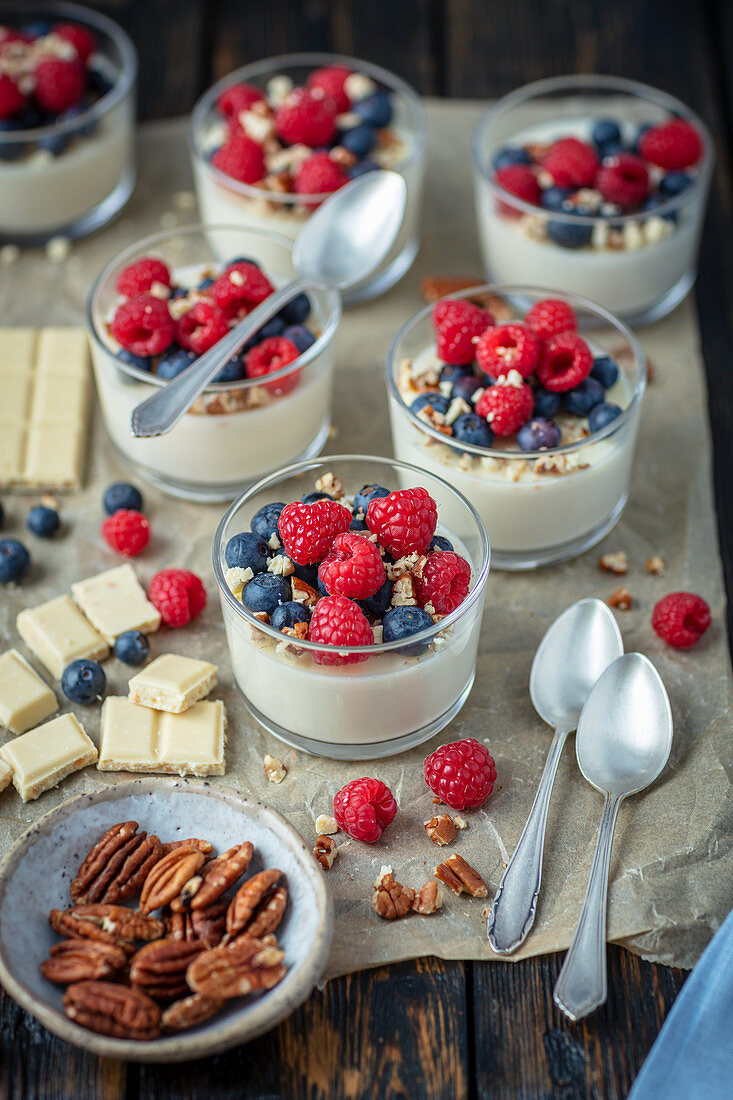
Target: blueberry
297	310
601	415
321	587
142	362
243	260
376	606
265	592
121	495
173	361
509	155
231	371
538	434
274	327
311	498
55	144
247	551
374	109
437	402
451	372
99	82
569	234
440	543
207	282
612	149
288	614
358	525
604	370
473	429
83	681
43	522
306	573
132	647
402	622
11	150
554	197
178	292
674	183
546	403
360	140
264	521
361	168
15	561
37	28
656	199
301	336
466	387
584	397
367	494
605	132
84	129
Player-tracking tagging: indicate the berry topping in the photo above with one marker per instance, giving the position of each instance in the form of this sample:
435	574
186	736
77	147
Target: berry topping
473	429
520	181
584	397
43	522
120	494
546	404
623	180
330	82
403	622
538	434
247	551
306	119
83	682
265	592
507	404
444	582
353	567
132	647
605	132
237	99
271	355
80	38
367	494
239	288
59	83
550	317
571	163
138	278
602	415
458	325
404	522
11	97
376	109
178	594
604	370
308	530
127	532
201	327
566	360
264	521
174	361
286	615
432	401
241	158
681	618
364	808
319	175
462	774
15	561
143	325
674	145
338	621
508	347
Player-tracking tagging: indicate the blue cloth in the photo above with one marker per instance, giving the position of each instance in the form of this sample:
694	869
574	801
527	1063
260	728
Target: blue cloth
692	1058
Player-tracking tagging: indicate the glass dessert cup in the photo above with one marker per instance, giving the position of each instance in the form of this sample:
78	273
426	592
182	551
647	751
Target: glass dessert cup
223	199
539	507
656	266
71	177
384	704
235	433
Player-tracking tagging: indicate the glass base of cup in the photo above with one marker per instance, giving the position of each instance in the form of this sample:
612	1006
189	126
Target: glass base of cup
376	750
514	561
674	296
384	279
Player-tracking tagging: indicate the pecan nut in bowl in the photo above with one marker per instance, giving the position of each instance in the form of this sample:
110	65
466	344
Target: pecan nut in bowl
159	969
245	966
222	873
76	960
111	1009
168	877
206	926
248	897
117	865
113	924
190	1012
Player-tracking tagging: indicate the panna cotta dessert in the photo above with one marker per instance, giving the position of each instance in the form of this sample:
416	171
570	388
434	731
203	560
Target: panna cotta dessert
67	113
272	140
531	415
164	302
352	591
595	186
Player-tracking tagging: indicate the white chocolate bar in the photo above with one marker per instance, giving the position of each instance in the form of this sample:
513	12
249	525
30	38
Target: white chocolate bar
58	633
114	601
44	409
6	774
25	699
139	739
172	683
43	757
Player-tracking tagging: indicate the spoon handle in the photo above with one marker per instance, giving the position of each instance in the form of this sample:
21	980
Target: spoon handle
513	910
581	986
162	411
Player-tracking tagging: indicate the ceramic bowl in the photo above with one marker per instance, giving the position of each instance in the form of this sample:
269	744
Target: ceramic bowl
35	876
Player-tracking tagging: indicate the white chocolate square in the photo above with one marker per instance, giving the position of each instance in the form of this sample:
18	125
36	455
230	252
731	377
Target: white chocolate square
58	633
114	601
17	348
54	456
6	774
139	739
43	757
25	699
16	398
63	351
172	683
12	448
57	399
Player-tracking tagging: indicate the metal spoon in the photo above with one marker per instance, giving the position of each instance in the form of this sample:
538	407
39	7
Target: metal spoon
576	649
623	742
341	243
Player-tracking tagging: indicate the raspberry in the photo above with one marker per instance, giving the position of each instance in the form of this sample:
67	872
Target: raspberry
305	119
566	360
201	327
508	347
404	521
330	82
507	404
674	145
80	38
462	774
126	531
143	325
364	808
551	316
178	594
12	99
319	175
241	158
338	621
457	325
237	99
308	530
139	277
623	180
681	618
571	163
521	181
270	355
353	567
239	288
59	84
444	582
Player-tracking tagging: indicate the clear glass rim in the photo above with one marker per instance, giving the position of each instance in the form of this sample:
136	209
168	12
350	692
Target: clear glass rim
119	90
423	636
578	82
154	240
270	65
509	290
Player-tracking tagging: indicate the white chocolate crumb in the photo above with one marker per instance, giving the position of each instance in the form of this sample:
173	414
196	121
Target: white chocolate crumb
326	825
275	770
460	822
58	249
184	200
9	254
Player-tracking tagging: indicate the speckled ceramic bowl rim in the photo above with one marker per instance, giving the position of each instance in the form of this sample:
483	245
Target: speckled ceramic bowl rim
263	1014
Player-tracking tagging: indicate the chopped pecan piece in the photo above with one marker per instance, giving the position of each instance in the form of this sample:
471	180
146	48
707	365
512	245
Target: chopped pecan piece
77	960
248	897
461	877
428	899
325	852
621	599
617	563
190	1012
303	593
441	830
159	969
656	565
434	287
112	1009
275	770
391	899
245	966
222	873
168	877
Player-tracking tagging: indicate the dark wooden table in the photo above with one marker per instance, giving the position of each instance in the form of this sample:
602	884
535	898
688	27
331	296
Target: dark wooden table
429	1028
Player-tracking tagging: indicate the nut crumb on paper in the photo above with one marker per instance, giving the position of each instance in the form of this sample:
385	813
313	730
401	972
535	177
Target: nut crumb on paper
275	770
325	851
621	599
460	877
656	565
441	830
391	900
428	899
616	563
326	824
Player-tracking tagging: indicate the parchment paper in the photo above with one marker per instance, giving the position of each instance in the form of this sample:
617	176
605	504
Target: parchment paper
672	869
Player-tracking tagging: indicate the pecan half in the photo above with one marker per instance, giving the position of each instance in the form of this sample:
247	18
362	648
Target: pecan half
77	960
111	1009
245	966
441	830
268	914
102	862
206	926
190	1012
391	899
248	897
168	877
159	969
428	899
111	924
461	877
222	873
203	846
